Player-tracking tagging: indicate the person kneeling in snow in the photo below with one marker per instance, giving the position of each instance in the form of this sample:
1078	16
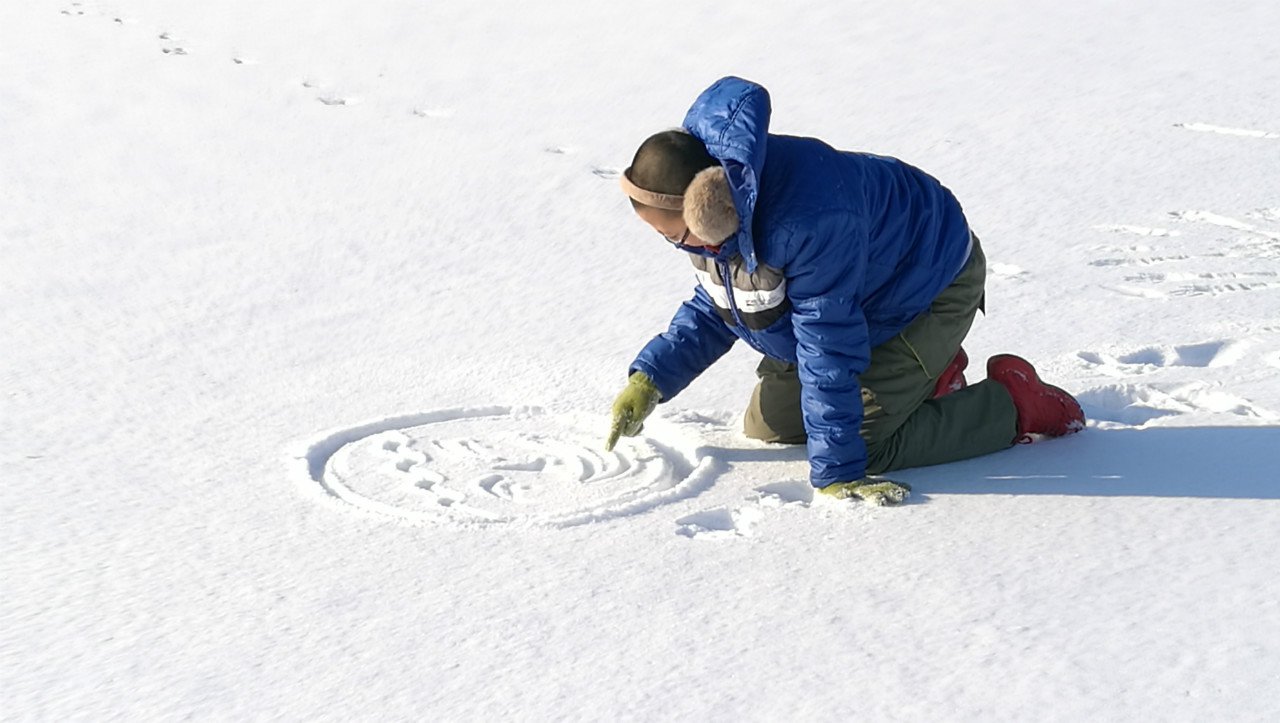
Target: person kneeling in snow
855	275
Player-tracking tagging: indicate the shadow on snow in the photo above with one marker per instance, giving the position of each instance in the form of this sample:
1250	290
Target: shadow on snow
1208	462
1205	462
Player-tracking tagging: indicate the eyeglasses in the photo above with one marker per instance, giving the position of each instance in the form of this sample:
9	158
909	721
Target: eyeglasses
674	240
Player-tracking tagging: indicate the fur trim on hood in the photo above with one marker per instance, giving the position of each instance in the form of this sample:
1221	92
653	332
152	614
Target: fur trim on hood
708	206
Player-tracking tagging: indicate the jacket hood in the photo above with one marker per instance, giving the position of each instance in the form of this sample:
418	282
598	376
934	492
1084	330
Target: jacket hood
731	118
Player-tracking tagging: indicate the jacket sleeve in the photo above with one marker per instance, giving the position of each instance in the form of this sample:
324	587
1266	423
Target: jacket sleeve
696	338
832	349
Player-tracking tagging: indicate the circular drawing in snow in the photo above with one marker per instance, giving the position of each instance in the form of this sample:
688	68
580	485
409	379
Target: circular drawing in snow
505	465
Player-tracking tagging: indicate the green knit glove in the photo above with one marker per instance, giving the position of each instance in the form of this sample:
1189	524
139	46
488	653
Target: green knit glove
877	492
632	405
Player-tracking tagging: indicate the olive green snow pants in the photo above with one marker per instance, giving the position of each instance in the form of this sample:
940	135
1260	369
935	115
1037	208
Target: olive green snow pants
901	425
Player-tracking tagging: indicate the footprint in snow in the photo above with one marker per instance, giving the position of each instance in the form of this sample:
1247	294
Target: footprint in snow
1132	404
1136	405
1153	358
718	524
723	523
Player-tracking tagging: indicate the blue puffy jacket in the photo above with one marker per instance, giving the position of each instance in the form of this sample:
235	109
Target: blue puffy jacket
863	244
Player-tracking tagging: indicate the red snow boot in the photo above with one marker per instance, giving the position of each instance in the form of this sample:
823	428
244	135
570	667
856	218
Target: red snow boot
952	378
1042	408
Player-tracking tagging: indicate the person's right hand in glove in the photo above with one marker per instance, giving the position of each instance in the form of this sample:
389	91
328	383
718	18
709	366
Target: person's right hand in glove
632	405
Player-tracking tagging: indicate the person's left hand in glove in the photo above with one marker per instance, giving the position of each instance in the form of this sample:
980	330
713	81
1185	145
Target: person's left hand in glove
633	404
878	492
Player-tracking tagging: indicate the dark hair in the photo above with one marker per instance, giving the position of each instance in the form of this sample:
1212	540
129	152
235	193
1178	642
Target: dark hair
667	161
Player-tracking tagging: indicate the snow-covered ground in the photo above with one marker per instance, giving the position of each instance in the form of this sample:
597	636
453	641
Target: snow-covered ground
312	314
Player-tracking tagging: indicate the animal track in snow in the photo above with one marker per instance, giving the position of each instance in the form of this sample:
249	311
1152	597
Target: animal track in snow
328	98
1211	284
1138	260
432	112
1217	219
503	465
1137	230
171	46
1252	240
1184	276
1219	289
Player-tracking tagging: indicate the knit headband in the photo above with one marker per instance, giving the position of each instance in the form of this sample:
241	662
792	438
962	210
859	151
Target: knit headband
665	201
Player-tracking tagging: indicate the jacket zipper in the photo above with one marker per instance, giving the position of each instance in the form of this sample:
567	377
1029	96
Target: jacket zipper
747	336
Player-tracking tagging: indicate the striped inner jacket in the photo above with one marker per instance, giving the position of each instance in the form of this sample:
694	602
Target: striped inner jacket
835	253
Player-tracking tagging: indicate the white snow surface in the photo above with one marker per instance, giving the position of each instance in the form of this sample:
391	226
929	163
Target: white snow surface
312	315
